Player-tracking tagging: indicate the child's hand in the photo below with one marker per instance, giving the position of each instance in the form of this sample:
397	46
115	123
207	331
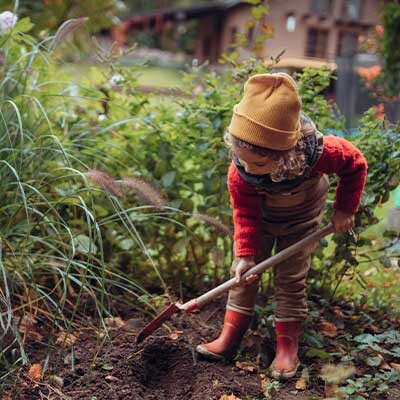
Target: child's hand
239	266
342	221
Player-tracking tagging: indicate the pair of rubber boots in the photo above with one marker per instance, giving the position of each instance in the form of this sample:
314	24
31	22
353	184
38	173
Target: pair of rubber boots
286	359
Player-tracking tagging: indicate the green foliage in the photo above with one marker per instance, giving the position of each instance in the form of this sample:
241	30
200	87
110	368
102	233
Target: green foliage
48	15
54	224
312	83
390	48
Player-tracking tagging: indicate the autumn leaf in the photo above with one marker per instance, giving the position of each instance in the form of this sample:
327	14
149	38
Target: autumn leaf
27	326
336	374
327	328
111	378
65	339
246	366
395	366
339	313
229	397
56	381
330	391
175	335
114	322
267	388
35	372
301	384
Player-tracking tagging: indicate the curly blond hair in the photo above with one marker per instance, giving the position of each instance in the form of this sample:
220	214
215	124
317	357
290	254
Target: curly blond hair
291	163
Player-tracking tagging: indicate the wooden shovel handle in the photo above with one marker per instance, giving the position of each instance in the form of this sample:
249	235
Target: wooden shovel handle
259	268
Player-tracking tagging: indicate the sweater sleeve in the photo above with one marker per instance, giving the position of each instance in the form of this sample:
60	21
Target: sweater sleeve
342	158
247	214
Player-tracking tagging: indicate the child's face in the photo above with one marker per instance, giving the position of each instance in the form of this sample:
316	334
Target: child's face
254	163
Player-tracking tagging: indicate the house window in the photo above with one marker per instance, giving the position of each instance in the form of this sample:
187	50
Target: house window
233	38
290	22
207	43
321	7
250	35
351	9
347	44
317	40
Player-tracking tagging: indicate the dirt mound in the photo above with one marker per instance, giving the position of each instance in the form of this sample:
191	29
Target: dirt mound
165	366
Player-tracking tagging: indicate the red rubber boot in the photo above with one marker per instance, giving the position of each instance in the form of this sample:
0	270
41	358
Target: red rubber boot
286	359
226	345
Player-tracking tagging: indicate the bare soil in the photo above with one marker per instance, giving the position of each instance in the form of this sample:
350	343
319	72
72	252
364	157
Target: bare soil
164	366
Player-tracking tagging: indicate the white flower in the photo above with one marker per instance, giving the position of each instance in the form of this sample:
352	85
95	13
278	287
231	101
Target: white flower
102	117
7	20
116	79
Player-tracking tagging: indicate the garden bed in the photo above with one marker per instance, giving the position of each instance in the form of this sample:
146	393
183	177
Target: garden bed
166	365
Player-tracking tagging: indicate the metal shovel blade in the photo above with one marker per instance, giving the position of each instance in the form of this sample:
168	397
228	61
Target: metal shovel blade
157	322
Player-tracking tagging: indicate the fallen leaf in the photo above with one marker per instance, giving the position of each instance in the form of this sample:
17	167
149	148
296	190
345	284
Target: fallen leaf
173	336
301	384
27	326
327	328
373	329
114	322
246	366
216	384
330	391
395	366
335	374
56	381
387	284
111	378
65	339
229	397
100	333
266	388
27	322
35	372
339	313
383	365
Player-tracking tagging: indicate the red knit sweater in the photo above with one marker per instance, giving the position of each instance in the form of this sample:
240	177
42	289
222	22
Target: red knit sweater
339	157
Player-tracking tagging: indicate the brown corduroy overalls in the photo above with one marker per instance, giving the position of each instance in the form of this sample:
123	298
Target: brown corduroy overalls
287	218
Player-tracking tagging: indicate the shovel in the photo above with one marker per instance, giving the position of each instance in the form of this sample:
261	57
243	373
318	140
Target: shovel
195	304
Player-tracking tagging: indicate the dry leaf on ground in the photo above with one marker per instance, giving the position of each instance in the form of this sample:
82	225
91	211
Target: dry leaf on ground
330	391
56	381
327	328
264	381
229	397
301	384
111	378
175	335
336	374
114	322
395	366
35	372
383	365
27	326
246	366
65	339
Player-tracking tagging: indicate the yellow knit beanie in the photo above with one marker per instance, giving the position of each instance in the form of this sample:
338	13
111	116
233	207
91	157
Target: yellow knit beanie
269	113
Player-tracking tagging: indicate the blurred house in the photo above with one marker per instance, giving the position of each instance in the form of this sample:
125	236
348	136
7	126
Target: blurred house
313	33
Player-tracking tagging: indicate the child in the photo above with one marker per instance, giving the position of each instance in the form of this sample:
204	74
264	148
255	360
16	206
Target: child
278	186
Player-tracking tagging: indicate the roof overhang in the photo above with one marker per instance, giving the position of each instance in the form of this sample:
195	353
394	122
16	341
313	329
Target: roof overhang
303	62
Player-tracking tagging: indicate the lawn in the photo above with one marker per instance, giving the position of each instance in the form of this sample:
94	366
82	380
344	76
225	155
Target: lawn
146	75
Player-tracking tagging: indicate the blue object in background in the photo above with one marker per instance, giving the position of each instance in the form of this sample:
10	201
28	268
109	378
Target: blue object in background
351	132
396	197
